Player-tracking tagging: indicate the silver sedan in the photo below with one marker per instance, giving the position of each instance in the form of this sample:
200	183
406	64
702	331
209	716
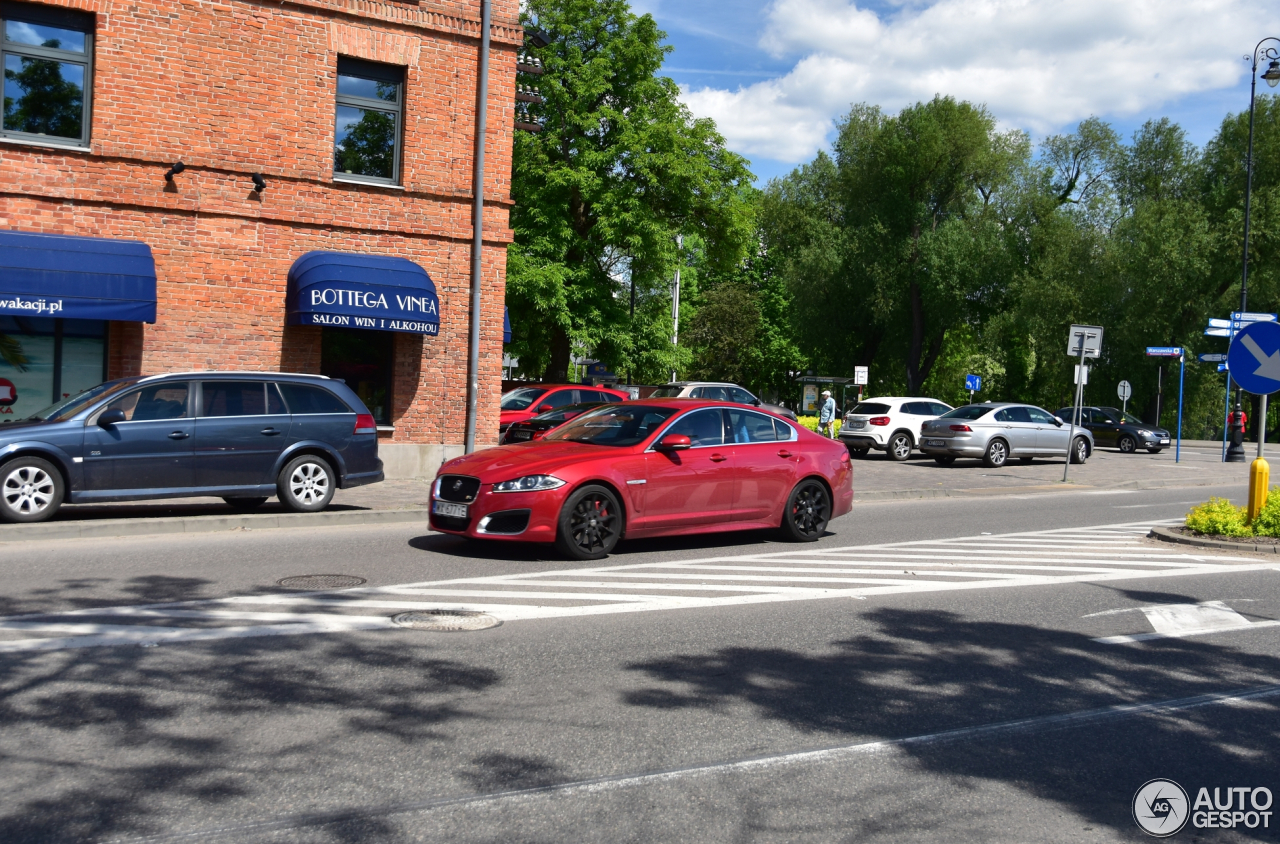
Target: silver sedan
996	432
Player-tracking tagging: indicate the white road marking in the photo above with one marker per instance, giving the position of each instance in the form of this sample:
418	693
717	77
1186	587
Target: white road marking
801	573
830	755
1179	621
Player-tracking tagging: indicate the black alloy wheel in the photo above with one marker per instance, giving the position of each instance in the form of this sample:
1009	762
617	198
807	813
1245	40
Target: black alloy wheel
1079	450
590	524
900	446
1128	445
997	454
245	505
807	513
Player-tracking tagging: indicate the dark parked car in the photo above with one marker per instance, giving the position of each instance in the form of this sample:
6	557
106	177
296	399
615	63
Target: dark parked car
532	429
243	436
1114	428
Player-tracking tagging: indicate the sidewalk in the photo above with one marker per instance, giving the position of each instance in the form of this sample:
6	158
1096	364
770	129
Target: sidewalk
876	478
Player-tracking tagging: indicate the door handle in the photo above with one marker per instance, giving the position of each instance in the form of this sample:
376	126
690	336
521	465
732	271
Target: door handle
270	432
718	458
784	453
179	435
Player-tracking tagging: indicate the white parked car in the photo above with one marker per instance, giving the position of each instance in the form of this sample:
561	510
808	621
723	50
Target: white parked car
890	424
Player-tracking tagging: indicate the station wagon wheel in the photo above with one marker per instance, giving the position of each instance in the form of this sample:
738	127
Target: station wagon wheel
997	454
590	524
807	513
900	447
306	484
30	490
1128	444
1079	450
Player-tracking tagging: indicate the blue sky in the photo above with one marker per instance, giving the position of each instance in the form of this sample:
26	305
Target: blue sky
775	74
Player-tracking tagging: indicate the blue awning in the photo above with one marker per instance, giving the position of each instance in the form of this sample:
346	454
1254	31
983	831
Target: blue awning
48	275
506	326
376	292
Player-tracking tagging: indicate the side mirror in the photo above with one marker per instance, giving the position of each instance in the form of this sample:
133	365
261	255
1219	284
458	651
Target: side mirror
674	442
756	402
1057	420
543	408
111	417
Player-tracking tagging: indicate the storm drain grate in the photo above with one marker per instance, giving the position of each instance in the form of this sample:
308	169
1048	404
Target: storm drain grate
446	621
321	581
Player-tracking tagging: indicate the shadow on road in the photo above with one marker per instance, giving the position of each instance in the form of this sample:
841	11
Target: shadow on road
113	742
922	672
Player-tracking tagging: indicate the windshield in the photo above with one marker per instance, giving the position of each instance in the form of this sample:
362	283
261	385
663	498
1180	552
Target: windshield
563	413
669	392
72	405
613	425
969	411
521	397
1130	419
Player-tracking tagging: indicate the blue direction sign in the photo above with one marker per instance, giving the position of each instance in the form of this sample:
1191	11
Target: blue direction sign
1164	351
1216	357
1254	358
973	382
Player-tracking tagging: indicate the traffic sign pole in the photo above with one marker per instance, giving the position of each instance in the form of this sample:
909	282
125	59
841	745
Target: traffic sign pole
1182	373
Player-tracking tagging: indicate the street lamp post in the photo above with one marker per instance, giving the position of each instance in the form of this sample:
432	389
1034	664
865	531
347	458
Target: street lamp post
1271	55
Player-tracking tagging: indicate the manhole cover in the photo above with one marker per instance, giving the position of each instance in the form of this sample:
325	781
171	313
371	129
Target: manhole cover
321	581
446	621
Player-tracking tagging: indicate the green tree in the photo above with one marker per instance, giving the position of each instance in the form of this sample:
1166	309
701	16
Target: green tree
620	168
50	104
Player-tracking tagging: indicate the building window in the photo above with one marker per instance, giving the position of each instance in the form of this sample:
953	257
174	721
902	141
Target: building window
48	66
44	360
364	360
366	145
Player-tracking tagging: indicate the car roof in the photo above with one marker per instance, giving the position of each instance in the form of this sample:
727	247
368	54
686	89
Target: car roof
214	373
904	398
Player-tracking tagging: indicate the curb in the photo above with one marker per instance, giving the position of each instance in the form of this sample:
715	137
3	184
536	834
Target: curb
1166	535
897	494
104	528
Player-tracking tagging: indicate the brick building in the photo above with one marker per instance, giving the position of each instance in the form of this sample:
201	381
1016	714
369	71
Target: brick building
326	151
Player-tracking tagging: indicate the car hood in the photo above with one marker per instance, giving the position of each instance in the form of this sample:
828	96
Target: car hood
9	430
518	459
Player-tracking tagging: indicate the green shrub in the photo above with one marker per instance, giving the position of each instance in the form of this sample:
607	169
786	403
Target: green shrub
811	422
1268	521
1218	517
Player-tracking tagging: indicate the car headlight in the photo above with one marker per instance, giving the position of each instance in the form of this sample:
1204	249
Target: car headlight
1143	432
529	483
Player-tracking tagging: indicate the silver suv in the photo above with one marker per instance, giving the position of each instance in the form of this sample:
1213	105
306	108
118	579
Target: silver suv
717	391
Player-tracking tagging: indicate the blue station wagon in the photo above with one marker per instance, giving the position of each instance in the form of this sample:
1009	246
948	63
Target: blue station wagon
243	436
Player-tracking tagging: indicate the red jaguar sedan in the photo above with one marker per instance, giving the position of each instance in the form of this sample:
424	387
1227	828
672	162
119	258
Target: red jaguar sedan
651	468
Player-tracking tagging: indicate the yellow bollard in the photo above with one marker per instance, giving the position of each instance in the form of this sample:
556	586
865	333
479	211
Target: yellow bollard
1259	479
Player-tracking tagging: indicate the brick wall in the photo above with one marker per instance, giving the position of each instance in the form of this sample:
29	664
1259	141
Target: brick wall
233	88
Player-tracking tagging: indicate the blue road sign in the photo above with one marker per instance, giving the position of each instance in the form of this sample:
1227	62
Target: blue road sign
1254	358
1216	357
1164	351
973	382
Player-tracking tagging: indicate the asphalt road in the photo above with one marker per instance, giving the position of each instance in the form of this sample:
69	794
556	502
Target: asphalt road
983	712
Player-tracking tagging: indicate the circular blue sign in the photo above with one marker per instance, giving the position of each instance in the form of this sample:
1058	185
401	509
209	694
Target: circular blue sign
1254	358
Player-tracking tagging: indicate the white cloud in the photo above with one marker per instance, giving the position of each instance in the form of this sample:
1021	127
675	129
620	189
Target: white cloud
1037	64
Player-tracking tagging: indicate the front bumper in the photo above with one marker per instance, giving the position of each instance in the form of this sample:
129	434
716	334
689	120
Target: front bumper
499	515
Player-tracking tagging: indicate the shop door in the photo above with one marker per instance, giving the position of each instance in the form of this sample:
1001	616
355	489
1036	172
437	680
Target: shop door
241	430
151	449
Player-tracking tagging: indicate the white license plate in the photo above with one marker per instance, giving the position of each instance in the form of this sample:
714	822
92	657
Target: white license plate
446	508
855	424
936	443
1164	442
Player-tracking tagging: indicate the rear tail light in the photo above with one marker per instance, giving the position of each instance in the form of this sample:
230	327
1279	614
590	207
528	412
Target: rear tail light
961	428
879	420
533	435
365	424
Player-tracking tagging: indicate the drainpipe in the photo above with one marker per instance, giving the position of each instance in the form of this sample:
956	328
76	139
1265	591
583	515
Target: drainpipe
477	223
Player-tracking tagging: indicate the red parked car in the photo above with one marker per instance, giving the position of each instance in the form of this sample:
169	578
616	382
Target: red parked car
647	468
527	402
536	427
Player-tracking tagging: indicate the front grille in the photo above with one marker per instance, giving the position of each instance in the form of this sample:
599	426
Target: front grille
506	521
449	523
458	488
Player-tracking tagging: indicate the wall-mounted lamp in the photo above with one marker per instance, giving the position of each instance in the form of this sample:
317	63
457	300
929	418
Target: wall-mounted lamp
259	183
537	37
174	170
